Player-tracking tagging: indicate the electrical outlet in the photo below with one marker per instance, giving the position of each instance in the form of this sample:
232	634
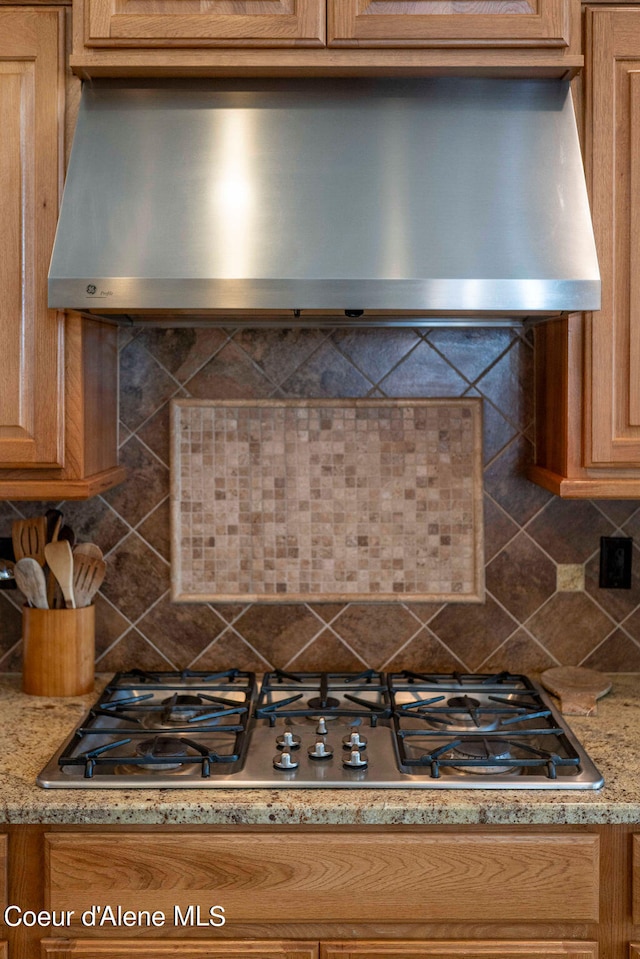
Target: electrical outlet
615	562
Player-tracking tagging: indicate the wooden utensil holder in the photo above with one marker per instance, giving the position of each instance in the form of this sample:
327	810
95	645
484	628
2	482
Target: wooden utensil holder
58	651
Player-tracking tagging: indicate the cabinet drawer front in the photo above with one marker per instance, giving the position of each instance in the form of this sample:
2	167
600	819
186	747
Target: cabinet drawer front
462	949
186	949
407	876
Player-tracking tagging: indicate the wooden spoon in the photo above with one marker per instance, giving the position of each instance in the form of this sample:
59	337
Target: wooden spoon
29	576
88	575
88	549
29	537
60	560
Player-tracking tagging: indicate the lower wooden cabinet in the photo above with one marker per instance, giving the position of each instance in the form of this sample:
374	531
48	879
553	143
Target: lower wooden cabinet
275	949
325	892
456	949
411	877
186	949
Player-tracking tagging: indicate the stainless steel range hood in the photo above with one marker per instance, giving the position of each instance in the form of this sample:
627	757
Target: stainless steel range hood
447	196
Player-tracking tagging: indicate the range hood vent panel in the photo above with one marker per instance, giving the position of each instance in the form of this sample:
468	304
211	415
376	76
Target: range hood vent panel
439	195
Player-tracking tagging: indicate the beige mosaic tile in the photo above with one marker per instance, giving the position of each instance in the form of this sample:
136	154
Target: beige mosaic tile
312	500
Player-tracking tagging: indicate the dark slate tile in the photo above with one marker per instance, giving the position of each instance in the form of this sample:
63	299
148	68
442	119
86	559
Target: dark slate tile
375	351
472	351
617	654
132	652
509	384
229	375
375	632
425	653
136	577
181	631
506	482
278	353
326	652
521	577
94	521
326	374
183	351
424	373
520	654
278	632
473	631
144	385
146	486
570	626
569	530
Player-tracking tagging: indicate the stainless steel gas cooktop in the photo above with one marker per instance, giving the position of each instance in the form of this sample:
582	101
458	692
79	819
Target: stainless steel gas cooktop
321	730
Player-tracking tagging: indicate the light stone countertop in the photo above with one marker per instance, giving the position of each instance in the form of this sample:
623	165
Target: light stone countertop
34	727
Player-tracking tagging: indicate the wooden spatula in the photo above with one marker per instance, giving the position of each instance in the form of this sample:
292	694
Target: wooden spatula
29	576
60	559
29	537
88	574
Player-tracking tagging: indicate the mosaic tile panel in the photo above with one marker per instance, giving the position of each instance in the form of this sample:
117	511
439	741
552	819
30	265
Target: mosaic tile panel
326	500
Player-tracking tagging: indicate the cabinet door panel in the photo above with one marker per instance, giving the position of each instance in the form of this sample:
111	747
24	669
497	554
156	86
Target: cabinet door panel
4	844
31	360
256	23
444	22
456	949
186	949
613	149
409	877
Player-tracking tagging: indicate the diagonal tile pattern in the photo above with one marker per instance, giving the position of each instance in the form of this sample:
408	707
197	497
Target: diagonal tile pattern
526	622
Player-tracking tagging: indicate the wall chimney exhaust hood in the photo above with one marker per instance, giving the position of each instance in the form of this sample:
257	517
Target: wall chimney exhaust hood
437	198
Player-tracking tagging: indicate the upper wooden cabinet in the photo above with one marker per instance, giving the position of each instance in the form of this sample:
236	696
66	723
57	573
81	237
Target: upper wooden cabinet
443	22
147	23
58	375
31	360
222	37
588	369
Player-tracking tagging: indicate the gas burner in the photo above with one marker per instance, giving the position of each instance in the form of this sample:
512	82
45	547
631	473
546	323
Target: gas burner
334	695
161	753
181	707
324	705
488	758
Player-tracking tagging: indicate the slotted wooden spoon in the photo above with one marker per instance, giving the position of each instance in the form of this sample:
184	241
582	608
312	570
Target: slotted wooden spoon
88	575
60	559
29	537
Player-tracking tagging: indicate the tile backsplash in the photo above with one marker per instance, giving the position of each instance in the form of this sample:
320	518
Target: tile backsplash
543	606
327	500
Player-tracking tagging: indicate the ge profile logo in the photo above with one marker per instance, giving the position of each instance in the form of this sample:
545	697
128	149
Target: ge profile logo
91	289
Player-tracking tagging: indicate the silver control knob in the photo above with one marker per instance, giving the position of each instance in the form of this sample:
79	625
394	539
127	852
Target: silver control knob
354	741
355	761
321	728
288	740
320	751
285	760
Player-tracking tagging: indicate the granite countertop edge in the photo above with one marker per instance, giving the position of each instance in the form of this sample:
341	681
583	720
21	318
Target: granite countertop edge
34	728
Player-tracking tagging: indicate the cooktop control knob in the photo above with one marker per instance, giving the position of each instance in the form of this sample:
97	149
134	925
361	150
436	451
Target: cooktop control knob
321	750
285	760
288	740
354	741
355	761
321	728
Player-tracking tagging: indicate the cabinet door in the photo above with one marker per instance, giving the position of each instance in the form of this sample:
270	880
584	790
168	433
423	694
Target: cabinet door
186	949
204	23
448	22
31	359
457	949
613	159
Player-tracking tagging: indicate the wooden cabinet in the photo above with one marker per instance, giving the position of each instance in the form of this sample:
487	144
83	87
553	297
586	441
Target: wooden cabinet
134	949
588	369
31	363
332	892
222	37
148	23
429	23
528	878
460	949
58	376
